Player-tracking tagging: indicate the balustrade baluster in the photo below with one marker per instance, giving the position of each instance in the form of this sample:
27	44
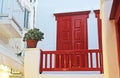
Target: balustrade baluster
41	62
70	63
60	61
45	60
50	61
64	60
101	62
86	58
91	62
97	60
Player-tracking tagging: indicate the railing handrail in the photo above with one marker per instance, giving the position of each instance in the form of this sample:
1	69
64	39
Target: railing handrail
69	51
20	28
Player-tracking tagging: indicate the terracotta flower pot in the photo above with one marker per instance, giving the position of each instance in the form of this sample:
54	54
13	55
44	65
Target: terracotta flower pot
31	43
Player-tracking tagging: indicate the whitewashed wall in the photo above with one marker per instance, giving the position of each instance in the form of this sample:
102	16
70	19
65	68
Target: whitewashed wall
46	20
110	53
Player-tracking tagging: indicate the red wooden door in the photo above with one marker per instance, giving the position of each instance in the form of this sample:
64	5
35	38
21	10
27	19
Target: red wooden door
79	39
72	35
72	32
79	32
64	38
64	33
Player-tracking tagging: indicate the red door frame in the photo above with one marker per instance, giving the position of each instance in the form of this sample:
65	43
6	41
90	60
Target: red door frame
115	14
97	15
85	14
117	20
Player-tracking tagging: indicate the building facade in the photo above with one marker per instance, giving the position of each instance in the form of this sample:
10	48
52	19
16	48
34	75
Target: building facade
16	17
61	22
110	15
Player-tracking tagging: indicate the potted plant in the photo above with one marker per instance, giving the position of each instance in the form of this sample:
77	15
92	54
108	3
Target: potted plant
32	37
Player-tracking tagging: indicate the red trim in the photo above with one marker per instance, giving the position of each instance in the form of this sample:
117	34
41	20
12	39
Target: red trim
41	62
58	16
71	40
72	13
117	38
97	15
115	14
114	8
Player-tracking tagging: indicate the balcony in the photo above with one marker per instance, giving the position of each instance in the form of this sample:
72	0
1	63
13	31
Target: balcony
11	18
9	27
71	60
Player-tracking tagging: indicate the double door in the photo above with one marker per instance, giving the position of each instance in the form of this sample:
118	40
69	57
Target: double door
72	35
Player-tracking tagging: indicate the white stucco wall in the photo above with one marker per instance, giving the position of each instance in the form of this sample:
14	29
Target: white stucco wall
110	54
31	63
8	31
45	19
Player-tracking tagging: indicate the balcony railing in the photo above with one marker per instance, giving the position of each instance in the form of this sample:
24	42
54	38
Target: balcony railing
71	60
12	9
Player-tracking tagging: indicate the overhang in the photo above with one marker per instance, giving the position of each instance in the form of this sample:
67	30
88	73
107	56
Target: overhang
115	9
10	29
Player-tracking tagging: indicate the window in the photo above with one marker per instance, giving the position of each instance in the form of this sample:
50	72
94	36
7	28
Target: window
26	18
1	6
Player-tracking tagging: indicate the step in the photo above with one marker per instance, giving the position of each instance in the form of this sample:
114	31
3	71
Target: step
71	76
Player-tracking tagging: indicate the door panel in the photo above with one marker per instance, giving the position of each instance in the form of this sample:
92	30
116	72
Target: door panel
79	32
64	36
79	39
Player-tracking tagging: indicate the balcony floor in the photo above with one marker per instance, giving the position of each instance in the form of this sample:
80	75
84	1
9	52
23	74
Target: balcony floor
71	75
8	28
